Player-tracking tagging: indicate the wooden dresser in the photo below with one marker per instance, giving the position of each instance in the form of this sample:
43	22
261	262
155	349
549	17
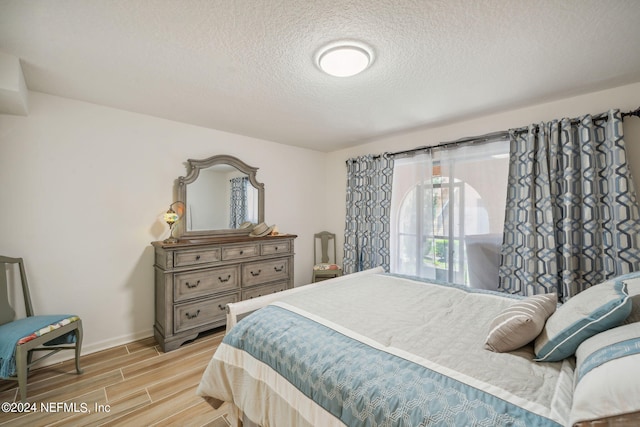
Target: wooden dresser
195	280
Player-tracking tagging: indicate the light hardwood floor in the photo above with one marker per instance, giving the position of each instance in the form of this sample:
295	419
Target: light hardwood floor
141	385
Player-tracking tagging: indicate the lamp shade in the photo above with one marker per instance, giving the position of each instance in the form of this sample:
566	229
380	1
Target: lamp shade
170	217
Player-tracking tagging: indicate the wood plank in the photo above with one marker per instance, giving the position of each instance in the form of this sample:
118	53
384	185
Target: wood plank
67	392
91	371
9	395
116	409
189	379
171	372
43	379
160	410
61	412
142	344
159	388
198	415
207	344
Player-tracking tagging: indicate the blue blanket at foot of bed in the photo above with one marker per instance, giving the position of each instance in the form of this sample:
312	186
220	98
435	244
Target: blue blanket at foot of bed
365	386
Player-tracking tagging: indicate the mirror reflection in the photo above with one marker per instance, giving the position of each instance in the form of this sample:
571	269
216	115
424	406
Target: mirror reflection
222	197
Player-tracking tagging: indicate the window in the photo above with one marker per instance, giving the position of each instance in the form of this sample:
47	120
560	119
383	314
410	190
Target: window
448	208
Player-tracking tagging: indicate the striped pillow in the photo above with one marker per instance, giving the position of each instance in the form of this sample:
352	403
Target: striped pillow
606	386
520	323
593	310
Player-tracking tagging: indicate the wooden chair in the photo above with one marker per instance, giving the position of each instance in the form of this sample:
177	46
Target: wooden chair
21	337
325	269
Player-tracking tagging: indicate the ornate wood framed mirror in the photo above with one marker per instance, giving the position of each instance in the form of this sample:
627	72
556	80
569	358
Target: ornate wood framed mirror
220	194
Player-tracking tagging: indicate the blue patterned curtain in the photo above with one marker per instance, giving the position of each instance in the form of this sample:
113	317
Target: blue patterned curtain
367	229
572	217
238	201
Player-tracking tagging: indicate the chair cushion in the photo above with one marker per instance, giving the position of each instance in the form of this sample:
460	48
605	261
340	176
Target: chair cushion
48	328
24	330
326	267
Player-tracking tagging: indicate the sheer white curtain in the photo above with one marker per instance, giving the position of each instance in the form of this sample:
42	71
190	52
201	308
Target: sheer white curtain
448	212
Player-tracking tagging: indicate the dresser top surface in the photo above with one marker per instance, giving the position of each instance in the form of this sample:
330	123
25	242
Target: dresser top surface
207	241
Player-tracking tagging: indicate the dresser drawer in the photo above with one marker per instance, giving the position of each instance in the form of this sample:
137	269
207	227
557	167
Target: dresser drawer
259	291
255	273
240	252
199	313
201	256
272	248
204	282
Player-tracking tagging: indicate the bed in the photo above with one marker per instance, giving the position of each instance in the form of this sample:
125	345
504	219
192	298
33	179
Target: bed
374	349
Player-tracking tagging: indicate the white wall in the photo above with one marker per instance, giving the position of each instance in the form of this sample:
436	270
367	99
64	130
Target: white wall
625	98
84	188
83	191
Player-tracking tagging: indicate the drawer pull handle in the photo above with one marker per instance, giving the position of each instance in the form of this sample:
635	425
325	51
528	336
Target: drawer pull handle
278	270
221	307
197	257
224	280
256	274
192	286
192	316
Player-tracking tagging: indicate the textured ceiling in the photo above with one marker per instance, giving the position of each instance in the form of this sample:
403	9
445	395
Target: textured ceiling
247	66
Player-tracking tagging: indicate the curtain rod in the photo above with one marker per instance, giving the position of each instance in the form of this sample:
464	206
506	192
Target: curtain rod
595	118
494	136
635	113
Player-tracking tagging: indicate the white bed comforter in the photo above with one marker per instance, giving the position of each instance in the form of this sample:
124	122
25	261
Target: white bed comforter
434	327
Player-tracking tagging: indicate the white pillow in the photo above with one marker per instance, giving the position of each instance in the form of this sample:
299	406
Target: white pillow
633	287
607	378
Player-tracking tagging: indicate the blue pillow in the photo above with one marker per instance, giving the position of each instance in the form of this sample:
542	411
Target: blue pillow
593	310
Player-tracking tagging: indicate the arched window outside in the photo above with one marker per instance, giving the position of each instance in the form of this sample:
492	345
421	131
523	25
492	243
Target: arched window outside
426	239
448	214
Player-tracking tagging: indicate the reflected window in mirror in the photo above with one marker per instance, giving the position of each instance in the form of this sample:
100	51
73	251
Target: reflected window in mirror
243	201
221	197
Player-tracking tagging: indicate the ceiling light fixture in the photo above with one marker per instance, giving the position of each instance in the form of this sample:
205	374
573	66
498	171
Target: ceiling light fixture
344	59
